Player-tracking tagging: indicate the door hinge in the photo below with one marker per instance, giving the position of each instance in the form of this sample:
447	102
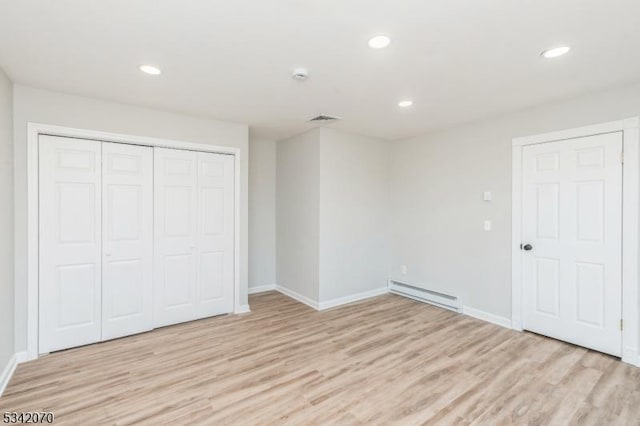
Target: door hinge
621	325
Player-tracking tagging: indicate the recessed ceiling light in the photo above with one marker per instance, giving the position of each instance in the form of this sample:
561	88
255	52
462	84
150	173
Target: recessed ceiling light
150	69
405	104
555	52
379	42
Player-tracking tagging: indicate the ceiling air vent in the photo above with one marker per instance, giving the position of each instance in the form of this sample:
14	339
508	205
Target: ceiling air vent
324	118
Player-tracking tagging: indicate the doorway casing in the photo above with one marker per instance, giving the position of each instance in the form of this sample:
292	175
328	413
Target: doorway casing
630	129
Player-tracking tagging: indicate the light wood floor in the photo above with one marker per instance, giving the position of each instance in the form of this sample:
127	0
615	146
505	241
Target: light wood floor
387	360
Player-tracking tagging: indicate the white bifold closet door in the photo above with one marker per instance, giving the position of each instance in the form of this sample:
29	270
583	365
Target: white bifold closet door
127	239
131	238
194	227
96	241
214	246
70	242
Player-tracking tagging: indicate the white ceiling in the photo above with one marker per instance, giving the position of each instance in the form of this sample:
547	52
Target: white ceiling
459	60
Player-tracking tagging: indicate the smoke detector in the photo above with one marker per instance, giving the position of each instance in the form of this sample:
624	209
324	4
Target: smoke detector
300	74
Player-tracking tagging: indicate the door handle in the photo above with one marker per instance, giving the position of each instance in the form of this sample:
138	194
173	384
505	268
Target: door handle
526	247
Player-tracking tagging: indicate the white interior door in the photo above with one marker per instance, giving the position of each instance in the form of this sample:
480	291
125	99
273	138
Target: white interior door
127	257
215	234
70	242
572	232
175	194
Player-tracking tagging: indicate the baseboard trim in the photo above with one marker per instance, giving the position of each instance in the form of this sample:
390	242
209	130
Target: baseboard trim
242	309
23	356
631	356
486	316
352	298
7	373
297	296
516	323
262	288
333	303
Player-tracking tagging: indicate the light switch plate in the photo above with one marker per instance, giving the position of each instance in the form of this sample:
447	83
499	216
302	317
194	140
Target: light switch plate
487	225
403	269
486	196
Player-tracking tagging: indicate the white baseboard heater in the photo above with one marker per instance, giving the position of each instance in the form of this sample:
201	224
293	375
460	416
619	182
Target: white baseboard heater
421	294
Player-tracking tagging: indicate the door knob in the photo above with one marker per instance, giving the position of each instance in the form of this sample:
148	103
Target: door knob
527	247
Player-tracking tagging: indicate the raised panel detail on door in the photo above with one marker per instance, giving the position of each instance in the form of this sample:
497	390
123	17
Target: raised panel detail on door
572	216
215	234
590	291
548	210
591	157
127	285
212	275
178	201
547	280
546	162
213	209
126	296
76	282
70	268
178	269
76	204
591	210
175	189
126	225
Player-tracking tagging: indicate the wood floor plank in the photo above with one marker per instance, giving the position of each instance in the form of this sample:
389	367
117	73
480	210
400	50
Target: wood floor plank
387	360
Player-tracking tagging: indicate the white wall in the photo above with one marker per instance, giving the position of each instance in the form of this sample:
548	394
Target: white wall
42	106
7	348
354	207
437	183
298	214
262	212
332	214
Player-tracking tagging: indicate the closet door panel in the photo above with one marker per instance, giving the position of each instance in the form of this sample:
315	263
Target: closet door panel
175	189
127	256
215	234
70	242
